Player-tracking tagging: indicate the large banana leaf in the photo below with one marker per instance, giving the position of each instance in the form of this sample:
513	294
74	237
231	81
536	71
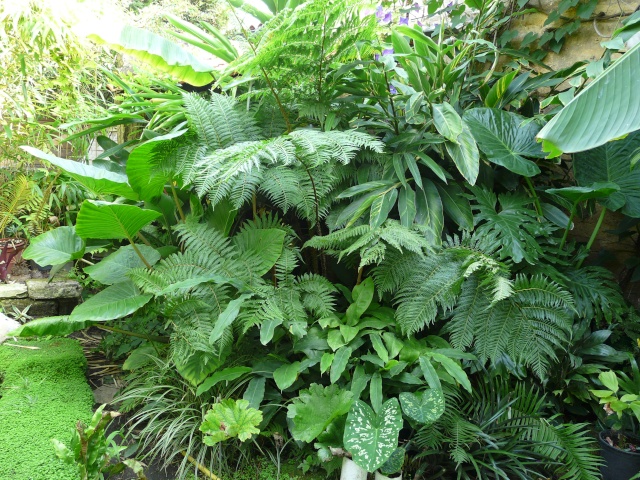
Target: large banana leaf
156	52
111	220
113	302
58	326
611	163
607	109
98	180
55	247
505	139
212	41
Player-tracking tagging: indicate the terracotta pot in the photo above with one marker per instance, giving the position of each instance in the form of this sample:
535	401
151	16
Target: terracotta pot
10	252
619	464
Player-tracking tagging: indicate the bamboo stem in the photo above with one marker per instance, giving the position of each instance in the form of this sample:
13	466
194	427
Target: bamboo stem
201	467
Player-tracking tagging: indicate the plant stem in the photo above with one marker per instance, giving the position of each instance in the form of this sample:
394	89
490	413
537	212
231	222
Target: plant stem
393	107
86	261
175	199
201	467
150	338
594	233
566	230
144	240
536	200
139	253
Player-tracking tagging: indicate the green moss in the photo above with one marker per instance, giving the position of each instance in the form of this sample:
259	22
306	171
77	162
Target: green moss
42	396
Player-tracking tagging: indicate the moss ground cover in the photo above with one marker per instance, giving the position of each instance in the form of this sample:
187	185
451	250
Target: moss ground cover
43	394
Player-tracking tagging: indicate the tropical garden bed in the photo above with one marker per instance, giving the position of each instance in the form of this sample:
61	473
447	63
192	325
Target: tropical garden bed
346	252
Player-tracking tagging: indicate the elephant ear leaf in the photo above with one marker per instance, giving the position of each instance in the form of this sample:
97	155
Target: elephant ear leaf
104	220
156	52
230	418
55	247
607	109
372	438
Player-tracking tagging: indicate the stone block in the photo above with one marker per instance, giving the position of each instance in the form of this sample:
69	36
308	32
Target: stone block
42	289
6	325
39	308
13	290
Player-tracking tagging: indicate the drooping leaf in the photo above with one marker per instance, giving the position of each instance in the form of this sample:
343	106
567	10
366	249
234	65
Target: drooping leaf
225	375
156	52
424	407
611	163
339	363
452	369
607	109
114	268
465	155
254	393
580	194
97	180
140	357
58	326
226	318
55	247
429	210
111	220
113	302
447	121
314	409
505	139
371	439
381	207
230	418
456	205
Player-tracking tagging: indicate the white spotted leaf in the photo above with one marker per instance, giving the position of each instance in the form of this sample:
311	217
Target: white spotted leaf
424	407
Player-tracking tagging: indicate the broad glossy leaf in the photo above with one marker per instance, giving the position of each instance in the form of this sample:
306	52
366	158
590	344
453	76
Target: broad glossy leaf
143	169
447	121
286	374
57	326
198	366
465	155
114	268
314	409
156	52
452	369
254	393
226	375
339	363
381	207
505	139
424	407
371	439
55	247
407	206
111	220
97	180
226	318
115	301
499	88
456	205
375	392
429	210
394	463
230	418
265	245
610	163
580	194
607	109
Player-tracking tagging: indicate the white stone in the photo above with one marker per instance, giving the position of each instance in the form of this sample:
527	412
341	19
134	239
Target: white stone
13	290
6	325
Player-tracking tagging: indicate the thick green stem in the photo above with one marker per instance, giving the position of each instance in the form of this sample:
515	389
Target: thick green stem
139	253
177	200
150	338
566	230
594	233
536	200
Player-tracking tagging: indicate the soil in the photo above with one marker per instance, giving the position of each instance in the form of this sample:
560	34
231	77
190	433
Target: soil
21	272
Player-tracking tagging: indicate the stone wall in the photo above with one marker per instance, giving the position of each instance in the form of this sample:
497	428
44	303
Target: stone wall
42	297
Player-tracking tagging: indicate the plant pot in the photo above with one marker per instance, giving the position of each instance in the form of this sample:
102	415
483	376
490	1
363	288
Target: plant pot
395	476
351	471
10	252
619	464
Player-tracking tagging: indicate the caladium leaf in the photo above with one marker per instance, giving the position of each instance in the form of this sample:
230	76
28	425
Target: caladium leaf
371	439
314	409
395	462
230	418
424	407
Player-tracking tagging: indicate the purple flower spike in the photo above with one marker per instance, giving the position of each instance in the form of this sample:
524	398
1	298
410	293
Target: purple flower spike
404	21
392	90
376	57
388	51
379	13
387	18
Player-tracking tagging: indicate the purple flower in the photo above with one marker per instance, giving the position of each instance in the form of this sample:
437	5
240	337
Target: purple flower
376	57
392	90
387	51
403	21
382	16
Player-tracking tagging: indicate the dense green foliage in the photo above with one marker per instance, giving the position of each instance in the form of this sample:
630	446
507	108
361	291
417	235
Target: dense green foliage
43	394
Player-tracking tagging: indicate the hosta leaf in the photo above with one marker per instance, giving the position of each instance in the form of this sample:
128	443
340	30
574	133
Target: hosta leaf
505	139
55	247
371	439
113	302
114	268
230	418
314	409
424	407
156	52
111	220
